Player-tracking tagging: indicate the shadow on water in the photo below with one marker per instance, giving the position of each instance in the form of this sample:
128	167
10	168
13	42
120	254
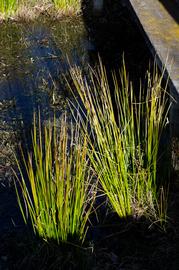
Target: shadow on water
114	34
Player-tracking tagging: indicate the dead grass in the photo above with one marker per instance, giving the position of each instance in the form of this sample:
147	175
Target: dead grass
30	11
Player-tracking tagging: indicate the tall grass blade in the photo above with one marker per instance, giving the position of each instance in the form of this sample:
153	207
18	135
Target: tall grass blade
7	7
67	4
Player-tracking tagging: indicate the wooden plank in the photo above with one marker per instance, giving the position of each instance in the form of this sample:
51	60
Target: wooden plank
162	31
159	21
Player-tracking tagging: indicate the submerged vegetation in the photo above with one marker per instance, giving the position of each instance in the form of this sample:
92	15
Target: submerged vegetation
30	9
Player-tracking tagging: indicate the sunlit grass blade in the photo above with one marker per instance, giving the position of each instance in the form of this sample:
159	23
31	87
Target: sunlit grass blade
7	7
65	5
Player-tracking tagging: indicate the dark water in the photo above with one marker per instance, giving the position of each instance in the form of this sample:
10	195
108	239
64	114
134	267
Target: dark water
33	59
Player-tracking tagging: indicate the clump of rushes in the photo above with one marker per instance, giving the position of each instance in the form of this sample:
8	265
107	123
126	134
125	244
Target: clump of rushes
125	141
7	7
62	190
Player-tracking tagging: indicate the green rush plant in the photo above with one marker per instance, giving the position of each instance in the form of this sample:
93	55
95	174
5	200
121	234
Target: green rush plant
125	135
59	191
7	7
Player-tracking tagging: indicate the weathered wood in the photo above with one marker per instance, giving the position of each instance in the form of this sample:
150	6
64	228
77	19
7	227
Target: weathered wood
162	32
159	21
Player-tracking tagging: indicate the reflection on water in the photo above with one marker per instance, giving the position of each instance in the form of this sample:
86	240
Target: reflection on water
33	56
98	5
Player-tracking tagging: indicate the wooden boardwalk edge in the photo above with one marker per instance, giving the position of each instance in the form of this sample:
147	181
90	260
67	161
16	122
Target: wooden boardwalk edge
159	22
